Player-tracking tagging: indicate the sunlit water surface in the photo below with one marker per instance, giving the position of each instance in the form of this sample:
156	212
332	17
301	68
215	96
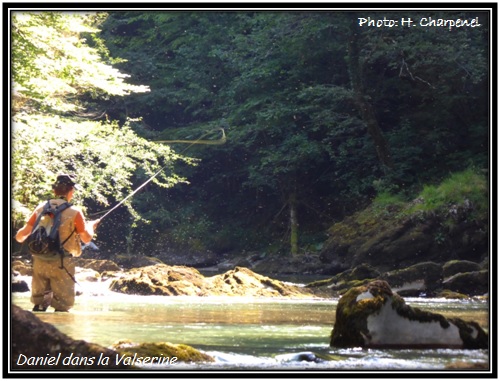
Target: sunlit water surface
249	333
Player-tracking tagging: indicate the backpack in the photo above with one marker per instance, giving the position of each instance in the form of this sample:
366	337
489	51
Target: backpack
44	238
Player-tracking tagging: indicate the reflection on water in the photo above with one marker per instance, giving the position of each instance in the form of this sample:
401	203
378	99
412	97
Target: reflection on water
247	333
191	320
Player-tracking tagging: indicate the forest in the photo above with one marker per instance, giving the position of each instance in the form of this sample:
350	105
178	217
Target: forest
269	126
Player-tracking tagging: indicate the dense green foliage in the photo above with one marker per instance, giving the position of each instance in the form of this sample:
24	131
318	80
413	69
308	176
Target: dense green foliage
58	82
321	115
292	89
52	65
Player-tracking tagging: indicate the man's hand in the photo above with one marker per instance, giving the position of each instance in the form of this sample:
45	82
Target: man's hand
95	223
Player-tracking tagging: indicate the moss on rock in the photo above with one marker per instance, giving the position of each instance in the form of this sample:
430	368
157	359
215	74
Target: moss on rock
373	316
447	294
181	352
471	283
341	283
428	273
457	266
443	223
352	313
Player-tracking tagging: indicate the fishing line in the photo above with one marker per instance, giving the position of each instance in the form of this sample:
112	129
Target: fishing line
222	140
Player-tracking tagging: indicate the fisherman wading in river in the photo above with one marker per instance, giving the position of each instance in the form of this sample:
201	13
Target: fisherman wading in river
53	282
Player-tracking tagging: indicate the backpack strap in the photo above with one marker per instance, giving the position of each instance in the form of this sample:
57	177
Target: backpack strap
57	222
57	218
46	207
61	252
60	209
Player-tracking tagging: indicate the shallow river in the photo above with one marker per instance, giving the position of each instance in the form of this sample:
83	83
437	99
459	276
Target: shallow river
250	334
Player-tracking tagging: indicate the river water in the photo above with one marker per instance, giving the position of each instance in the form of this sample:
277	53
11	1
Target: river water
252	334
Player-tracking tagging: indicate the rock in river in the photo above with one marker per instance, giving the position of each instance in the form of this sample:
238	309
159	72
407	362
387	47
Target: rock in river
372	316
167	280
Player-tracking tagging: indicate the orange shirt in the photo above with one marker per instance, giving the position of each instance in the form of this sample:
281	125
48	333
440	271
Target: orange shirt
79	222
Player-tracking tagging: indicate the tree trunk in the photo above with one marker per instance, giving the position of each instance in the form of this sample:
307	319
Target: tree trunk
364	107
368	114
294	225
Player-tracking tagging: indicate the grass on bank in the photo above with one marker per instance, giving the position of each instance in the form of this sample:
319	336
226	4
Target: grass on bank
469	186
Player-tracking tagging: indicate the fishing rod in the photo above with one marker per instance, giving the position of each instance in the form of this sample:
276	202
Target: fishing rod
135	191
222	140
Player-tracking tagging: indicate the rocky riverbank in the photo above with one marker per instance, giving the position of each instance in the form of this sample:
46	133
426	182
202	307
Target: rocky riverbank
441	251
162	279
453	279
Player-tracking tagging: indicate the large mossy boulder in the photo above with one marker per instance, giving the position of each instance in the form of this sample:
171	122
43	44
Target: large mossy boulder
421	278
161	354
454	267
342	282
470	283
411	281
372	316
